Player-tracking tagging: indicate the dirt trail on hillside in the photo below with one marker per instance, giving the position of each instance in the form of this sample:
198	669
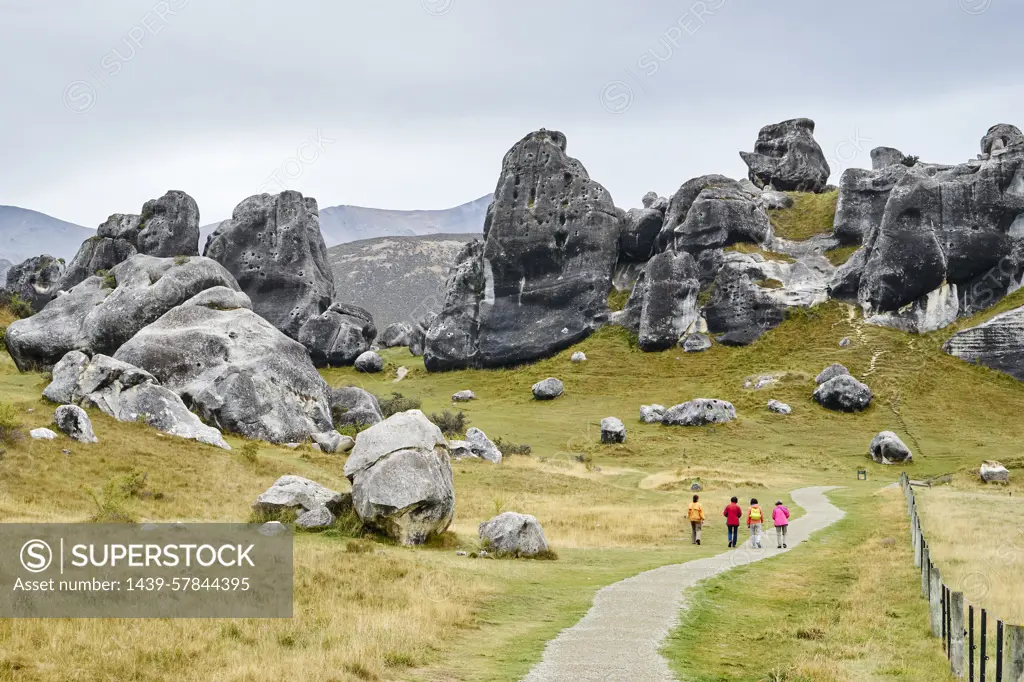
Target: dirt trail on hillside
620	636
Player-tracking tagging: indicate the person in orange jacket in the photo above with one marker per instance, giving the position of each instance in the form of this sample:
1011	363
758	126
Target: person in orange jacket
755	522
695	512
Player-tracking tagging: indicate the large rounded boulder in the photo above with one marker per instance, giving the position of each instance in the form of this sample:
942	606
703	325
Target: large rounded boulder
169	226
234	368
514	535
36	280
103	312
887	448
843	393
539	281
788	158
339	335
273	246
401	476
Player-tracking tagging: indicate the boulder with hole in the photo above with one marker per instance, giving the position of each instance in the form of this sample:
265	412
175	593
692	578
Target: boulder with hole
700	412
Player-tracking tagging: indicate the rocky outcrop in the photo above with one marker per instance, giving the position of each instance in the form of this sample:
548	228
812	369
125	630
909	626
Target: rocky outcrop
548	389
169	226
514	535
352	406
99	254
273	247
36	280
418	338
613	430
539	281
663	305
74	423
396	334
998	343
883	157
234	368
700	412
999	138
863	195
887	448
128	394
844	394
338	336
102	313
787	157
401	477
640	228
710	212
696	342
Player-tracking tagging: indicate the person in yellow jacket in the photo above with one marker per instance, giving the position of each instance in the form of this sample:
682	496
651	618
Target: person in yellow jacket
755	522
695	512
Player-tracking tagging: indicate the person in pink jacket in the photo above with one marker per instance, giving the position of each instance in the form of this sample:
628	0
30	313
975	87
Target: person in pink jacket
780	515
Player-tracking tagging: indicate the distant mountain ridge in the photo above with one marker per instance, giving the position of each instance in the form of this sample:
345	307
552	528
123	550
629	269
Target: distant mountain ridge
25	233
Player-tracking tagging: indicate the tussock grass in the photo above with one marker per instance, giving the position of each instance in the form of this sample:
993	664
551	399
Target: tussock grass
747	247
841	254
810	214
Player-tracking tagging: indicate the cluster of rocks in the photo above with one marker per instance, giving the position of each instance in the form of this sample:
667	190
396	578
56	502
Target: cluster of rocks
477	445
315	506
697	412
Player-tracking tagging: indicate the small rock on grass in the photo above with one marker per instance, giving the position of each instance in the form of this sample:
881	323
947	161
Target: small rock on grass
549	389
613	430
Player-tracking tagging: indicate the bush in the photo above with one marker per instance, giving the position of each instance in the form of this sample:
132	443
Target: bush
397	403
250	452
10	425
450	423
181	260
910	161
110	502
509	448
18	306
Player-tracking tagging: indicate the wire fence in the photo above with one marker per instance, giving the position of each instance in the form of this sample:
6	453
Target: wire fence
974	653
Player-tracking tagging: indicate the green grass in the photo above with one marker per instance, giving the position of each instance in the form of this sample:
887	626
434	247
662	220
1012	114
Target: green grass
617	299
810	214
745	247
842	607
841	254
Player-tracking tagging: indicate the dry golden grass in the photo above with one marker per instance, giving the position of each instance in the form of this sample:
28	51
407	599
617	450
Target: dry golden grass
976	537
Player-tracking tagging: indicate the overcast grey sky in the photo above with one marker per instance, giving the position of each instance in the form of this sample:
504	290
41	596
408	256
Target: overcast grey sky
413	103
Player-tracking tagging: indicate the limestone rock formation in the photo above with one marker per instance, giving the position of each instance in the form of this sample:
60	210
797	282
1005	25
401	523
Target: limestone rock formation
332	442
42	434
99	254
613	430
102	313
999	138
299	494
481	446
863	195
998	343
128	394
994	472
352	406
396	334
74	423
338	336
710	212
639	231
831	372
548	389
663	305
513	534
578	357
463	396
36	280
695	342
169	226
652	414
787	157
883	157
779	407
887	448
235	369
418	338
401	477
700	412
844	394
539	281
273	246
369	362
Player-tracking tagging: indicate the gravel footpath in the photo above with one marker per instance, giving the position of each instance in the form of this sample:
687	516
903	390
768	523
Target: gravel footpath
620	636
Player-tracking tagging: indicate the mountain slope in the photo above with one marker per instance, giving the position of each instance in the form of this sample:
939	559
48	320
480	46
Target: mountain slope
398	279
25	233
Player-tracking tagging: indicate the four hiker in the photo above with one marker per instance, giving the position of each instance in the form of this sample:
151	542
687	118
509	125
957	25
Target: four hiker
780	515
695	512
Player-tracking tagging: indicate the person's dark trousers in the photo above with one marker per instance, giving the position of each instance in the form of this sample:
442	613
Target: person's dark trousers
734	535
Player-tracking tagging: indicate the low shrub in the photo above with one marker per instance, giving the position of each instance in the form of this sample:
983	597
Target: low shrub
18	306
10	425
397	403
450	423
509	448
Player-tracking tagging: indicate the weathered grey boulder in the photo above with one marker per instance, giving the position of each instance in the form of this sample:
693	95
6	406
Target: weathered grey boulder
863	195
999	138
396	334
548	389
418	339
998	343
845	283
332	442
649	199
883	157
613	430
639	233
339	335
169	226
273	247
235	369
771	199
315	519
713	211
700	412
101	313
663	305
463	396
459	449
370	362
539	281
36	280
513	534
100	254
831	372
786	157
352	406
481	445
887	448
652	414
578	356
696	342
843	393
779	407
42	434
298	493
994	472
128	394
401	477
74	423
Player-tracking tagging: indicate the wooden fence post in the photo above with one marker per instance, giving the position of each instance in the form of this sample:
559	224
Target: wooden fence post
935	600
1015	653
956	634
925	561
917	542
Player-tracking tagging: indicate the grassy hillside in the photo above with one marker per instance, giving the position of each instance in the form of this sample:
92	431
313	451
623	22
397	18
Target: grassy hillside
366	609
